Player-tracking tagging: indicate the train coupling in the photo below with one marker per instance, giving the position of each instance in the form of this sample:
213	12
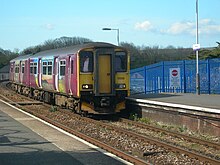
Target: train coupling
105	101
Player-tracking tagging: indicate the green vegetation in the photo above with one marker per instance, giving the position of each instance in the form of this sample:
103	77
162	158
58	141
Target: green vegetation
146	120
53	108
6	56
170	127
175	128
56	43
208	53
142	56
134	116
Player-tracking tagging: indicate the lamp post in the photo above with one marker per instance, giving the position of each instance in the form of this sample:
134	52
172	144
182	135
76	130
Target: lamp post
197	51
113	29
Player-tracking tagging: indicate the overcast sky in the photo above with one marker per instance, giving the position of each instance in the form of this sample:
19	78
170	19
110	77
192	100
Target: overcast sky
142	22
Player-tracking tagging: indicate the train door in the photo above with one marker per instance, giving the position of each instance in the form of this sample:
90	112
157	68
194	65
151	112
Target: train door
104	72
39	73
12	70
20	73
61	76
27	72
73	72
55	75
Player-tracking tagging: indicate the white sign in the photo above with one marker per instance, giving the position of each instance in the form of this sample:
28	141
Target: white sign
174	77
196	47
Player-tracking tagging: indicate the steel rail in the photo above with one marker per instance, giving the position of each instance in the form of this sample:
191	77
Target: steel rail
175	134
129	133
102	145
167	146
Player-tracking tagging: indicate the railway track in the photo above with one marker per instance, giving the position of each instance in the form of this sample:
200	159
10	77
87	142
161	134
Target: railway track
98	143
138	148
143	129
172	133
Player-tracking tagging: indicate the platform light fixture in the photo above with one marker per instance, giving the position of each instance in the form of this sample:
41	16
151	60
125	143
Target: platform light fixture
113	29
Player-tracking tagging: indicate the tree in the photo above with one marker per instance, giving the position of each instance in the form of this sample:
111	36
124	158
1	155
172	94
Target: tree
134	52
56	43
6	56
207	53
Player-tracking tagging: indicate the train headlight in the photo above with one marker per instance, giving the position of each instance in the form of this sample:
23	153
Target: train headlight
87	86
121	86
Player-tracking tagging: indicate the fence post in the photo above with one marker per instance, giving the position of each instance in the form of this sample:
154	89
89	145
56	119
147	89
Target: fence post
184	76
145	79
163	79
208	75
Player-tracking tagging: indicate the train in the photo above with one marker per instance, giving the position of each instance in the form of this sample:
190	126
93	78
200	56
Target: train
90	78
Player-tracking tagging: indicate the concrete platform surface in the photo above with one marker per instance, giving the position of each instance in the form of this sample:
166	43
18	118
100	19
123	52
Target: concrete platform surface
26	140
204	101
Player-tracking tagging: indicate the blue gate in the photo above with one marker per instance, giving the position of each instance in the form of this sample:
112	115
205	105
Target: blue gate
157	78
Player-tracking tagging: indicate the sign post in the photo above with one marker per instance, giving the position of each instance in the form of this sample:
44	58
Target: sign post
174	78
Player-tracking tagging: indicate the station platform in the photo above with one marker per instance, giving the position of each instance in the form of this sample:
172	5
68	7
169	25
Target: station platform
199	113
206	103
26	140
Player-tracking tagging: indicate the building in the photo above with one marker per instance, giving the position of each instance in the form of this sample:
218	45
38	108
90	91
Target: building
4	73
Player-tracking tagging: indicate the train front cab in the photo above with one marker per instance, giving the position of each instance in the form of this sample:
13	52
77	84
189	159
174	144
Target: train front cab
103	79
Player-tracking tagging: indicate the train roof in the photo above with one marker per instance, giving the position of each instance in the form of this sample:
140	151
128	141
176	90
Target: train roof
72	49
67	50
23	57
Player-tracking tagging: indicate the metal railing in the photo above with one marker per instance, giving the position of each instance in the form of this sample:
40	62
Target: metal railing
157	78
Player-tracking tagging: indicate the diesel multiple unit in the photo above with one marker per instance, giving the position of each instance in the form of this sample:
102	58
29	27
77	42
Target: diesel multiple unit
88	78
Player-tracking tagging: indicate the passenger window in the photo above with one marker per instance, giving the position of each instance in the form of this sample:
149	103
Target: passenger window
49	68
120	62
86	61
35	68
31	67
22	68
17	68
72	63
62	68
44	68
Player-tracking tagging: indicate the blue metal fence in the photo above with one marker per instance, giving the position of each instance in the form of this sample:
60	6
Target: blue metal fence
156	78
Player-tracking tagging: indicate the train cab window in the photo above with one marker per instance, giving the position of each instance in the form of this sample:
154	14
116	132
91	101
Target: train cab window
86	61
120	62
62	68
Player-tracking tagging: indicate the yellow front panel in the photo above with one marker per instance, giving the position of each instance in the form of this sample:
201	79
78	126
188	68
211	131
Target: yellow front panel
85	79
122	78
104	74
